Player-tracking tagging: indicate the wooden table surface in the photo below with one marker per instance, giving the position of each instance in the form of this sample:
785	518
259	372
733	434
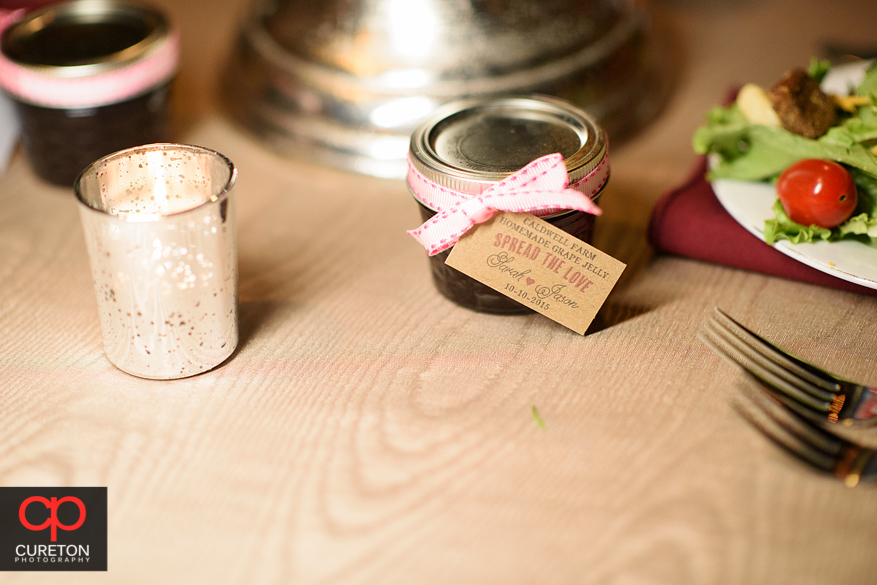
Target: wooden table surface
369	431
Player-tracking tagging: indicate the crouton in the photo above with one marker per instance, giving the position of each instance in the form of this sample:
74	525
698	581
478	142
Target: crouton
803	108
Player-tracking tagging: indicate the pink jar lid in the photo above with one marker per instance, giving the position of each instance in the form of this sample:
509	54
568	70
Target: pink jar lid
109	72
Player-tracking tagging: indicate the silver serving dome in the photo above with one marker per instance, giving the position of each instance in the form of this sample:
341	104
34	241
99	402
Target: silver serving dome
345	82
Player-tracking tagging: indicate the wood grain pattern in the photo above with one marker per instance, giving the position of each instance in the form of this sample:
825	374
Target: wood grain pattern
368	431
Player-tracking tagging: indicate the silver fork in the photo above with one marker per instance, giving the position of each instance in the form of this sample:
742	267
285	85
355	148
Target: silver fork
802	387
821	449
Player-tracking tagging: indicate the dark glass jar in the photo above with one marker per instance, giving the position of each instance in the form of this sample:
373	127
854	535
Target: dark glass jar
467	146
88	78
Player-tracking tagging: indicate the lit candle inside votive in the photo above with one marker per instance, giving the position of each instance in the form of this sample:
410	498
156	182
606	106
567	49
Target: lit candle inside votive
160	229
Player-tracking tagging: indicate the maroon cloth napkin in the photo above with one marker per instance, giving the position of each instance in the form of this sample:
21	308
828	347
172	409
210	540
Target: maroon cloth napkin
689	221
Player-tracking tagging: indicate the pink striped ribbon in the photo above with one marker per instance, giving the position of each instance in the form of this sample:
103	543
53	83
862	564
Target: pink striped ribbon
541	187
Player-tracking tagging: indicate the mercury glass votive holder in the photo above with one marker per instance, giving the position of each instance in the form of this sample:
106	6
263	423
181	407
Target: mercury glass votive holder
159	224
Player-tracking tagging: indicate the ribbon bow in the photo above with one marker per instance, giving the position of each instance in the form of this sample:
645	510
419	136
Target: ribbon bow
542	185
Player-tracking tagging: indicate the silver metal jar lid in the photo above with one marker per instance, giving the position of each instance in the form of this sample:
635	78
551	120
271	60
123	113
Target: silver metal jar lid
469	144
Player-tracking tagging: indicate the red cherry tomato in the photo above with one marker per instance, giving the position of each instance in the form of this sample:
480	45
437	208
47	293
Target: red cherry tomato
816	191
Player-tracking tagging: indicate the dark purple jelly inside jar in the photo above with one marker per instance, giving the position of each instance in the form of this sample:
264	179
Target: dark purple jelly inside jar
60	143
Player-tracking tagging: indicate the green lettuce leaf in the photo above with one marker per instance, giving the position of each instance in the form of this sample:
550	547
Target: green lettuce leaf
868	86
818	69
754	152
783	228
864	219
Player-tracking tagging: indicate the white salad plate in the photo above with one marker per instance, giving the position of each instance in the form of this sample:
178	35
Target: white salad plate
750	204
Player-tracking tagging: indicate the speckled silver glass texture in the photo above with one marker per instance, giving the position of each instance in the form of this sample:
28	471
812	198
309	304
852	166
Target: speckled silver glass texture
159	224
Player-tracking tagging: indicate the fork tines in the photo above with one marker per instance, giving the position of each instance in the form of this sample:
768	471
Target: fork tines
803	388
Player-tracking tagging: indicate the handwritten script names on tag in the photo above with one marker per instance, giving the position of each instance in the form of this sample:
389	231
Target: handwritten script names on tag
540	266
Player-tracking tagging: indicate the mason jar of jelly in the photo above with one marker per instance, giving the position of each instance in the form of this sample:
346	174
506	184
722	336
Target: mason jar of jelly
88	78
467	146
